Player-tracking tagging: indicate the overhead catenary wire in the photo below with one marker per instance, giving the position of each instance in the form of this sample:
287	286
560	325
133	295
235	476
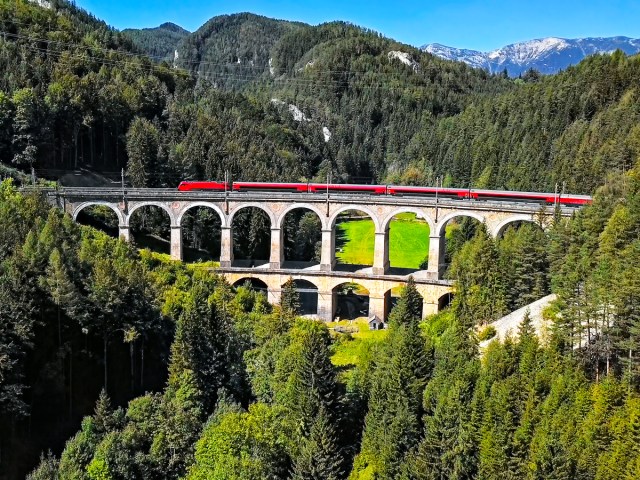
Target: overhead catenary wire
261	67
211	75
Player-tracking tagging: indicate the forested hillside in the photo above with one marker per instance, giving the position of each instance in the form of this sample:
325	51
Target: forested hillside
76	93
73	94
202	380
575	127
160	42
252	393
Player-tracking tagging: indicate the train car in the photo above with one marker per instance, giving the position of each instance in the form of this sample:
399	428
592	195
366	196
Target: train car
460	193
398	190
347	188
191	186
270	187
535	197
575	200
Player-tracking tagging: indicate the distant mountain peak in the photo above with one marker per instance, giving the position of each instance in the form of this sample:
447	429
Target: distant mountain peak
172	27
547	55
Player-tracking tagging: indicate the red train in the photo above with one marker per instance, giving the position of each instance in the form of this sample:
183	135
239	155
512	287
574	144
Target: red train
445	193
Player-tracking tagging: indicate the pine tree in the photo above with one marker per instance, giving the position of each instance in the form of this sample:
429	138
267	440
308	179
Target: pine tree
47	469
142	149
479	287
393	423
62	291
290	298
200	346
25	124
103	413
408	310
448	448
320	457
313	379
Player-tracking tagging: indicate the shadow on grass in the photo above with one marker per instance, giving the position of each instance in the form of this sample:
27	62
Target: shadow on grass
401	271
249	263
341	241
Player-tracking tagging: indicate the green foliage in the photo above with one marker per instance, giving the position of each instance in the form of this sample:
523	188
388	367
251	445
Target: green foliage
290	299
418	403
486	333
253	445
200	346
142	149
46	470
394	420
160	42
319	457
479	284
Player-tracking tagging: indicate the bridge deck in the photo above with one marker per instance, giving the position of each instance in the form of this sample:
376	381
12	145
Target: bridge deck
421	277
170	194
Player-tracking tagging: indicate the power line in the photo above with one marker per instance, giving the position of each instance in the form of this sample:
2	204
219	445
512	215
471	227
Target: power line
160	58
211	76
260	68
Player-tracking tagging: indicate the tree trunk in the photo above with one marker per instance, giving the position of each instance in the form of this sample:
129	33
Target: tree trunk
76	130
104	145
59	329
142	366
104	339
91	146
131	366
116	145
70	380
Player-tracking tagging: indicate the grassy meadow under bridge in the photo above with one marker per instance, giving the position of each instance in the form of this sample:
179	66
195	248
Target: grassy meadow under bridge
408	241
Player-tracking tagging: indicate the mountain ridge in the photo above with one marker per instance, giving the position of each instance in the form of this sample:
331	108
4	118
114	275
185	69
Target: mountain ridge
547	55
158	42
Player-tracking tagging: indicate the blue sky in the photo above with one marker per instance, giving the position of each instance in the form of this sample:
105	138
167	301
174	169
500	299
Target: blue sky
481	25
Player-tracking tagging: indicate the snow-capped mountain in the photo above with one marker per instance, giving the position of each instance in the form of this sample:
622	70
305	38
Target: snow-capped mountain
547	55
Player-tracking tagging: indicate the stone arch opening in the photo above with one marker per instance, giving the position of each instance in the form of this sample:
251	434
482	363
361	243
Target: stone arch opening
408	242
454	231
525	263
515	223
445	301
201	233
100	217
392	297
150	227
252	283
351	301
308	294
354	233
302	238
251	230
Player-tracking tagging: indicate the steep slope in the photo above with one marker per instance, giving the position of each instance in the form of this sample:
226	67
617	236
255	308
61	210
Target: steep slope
230	50
576	127
546	55
372	92
159	42
87	98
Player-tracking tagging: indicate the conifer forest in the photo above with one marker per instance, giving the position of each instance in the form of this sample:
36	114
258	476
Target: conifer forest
117	363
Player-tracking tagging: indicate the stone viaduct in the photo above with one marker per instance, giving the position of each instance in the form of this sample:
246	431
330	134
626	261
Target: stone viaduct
378	279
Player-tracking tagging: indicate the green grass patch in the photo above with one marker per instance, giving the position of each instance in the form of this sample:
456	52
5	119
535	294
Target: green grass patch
349	348
408	241
358	237
203	264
